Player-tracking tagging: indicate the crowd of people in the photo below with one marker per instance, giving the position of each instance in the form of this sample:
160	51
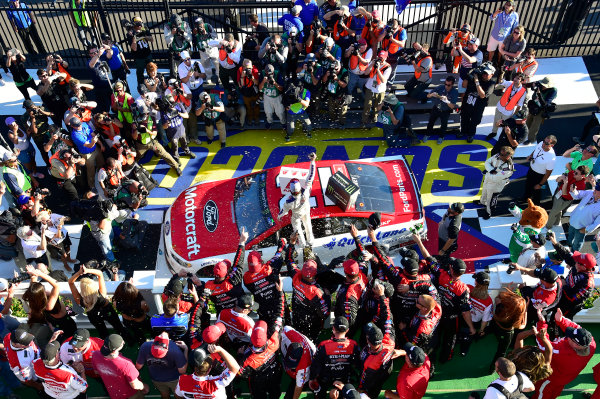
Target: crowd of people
91	137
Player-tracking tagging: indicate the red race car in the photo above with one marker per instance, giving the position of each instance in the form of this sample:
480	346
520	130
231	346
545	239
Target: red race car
204	223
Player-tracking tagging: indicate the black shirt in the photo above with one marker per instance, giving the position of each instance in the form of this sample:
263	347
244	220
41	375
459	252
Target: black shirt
143	47
18	71
519	132
486	86
100	75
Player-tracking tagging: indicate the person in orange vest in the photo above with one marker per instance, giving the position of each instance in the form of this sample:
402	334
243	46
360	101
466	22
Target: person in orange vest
393	39
379	72
55	64
109	178
247	79
423	65
63	167
527	66
510	102
346	28
373	27
79	110
314	38
359	55
230	52
456	37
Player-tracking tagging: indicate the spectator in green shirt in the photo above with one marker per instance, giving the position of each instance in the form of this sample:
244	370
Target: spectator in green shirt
580	157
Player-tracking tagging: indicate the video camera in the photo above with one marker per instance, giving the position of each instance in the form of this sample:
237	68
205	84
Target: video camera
292	94
479	69
167	107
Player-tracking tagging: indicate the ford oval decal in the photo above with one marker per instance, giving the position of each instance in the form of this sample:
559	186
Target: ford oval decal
211	216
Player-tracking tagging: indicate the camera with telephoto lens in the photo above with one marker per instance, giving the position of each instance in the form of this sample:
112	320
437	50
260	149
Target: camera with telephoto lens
196	67
43	192
388	31
410	55
167	107
228	48
317	26
16	280
310	67
248	72
270	78
369	22
292	94
106	119
56	57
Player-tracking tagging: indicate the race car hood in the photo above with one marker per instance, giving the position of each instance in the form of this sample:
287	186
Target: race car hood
201	221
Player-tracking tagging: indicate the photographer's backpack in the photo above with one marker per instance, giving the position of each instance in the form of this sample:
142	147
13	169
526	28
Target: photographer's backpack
8	235
90	209
517	394
132	234
141	174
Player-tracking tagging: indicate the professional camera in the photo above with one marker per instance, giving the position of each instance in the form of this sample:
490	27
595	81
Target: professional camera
248	71
317	25
388	31
292	94
16	280
270	78
310	67
233	99
196	67
228	48
43	192
127	24
410	55
369	22
511	268
106	119
480	69
167	107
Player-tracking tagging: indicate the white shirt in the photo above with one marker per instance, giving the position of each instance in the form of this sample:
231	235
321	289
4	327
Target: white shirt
183	70
510	385
30	247
527	257
60	381
51	230
372	82
541	160
513	93
23	366
234	56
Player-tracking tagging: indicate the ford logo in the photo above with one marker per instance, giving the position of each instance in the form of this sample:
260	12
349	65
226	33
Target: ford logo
211	216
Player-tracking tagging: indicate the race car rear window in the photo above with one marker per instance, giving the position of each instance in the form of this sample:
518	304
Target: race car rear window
375	191
251	205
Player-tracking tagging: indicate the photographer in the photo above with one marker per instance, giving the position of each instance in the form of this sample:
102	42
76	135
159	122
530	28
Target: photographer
330	13
328	53
64	167
21	142
478	90
498	170
108	127
122	103
458	37
211	108
209	57
540	106
155	82
379	72
53	95
173	115
35	120
526	65
308	74
85	22
391	115
296	101
178	37
274	52
109	178
471	57
247	79
139	39
513	131
314	36
17	181
292	40
131	196
510	50
182	95
81	111
393	39
510	101
271	85
562	198
230	51
359	55
373	27
114	57
59	243
444	98
235	110
347	30
192	74
78	89
422	62
89	146
144	132
100	78
15	62
332	92
55	64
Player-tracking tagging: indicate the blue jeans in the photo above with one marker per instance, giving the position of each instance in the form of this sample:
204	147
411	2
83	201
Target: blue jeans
575	239
355	81
105	242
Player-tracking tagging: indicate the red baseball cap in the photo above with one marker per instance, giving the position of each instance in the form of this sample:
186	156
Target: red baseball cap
160	347
309	269
382	54
254	261
362	41
221	268
376	14
587	260
351	267
259	334
211	334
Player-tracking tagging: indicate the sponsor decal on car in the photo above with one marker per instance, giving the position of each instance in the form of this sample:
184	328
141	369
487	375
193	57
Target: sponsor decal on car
211	216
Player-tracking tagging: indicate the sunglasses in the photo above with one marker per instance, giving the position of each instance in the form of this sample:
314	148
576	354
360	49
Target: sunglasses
516	32
449	84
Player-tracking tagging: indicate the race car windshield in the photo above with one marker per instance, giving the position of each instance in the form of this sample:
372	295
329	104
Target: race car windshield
375	191
251	205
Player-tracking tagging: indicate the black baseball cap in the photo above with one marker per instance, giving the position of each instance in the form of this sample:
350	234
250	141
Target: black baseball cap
458	265
21	336
410	266
174	287
406	252
538	239
341	323
80	338
457	207
482	278
580	335
375	220
373	334
293	355
547	274
245	301
50	351
28	104
111	344
199	355
415	354
349	392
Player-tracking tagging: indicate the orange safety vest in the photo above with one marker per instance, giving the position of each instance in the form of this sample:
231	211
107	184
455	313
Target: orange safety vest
62	69
374	73
338	32
418	73
462	37
223	55
354	62
181	98
56	156
524	67
390	46
371	37
114	178
509	102
247	82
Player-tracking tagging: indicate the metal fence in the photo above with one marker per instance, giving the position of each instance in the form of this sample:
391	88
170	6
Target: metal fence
554	27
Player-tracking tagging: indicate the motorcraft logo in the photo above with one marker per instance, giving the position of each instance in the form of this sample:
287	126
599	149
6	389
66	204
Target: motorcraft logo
211	216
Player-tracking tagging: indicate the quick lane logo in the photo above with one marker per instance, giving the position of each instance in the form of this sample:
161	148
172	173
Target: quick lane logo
190	222
211	216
